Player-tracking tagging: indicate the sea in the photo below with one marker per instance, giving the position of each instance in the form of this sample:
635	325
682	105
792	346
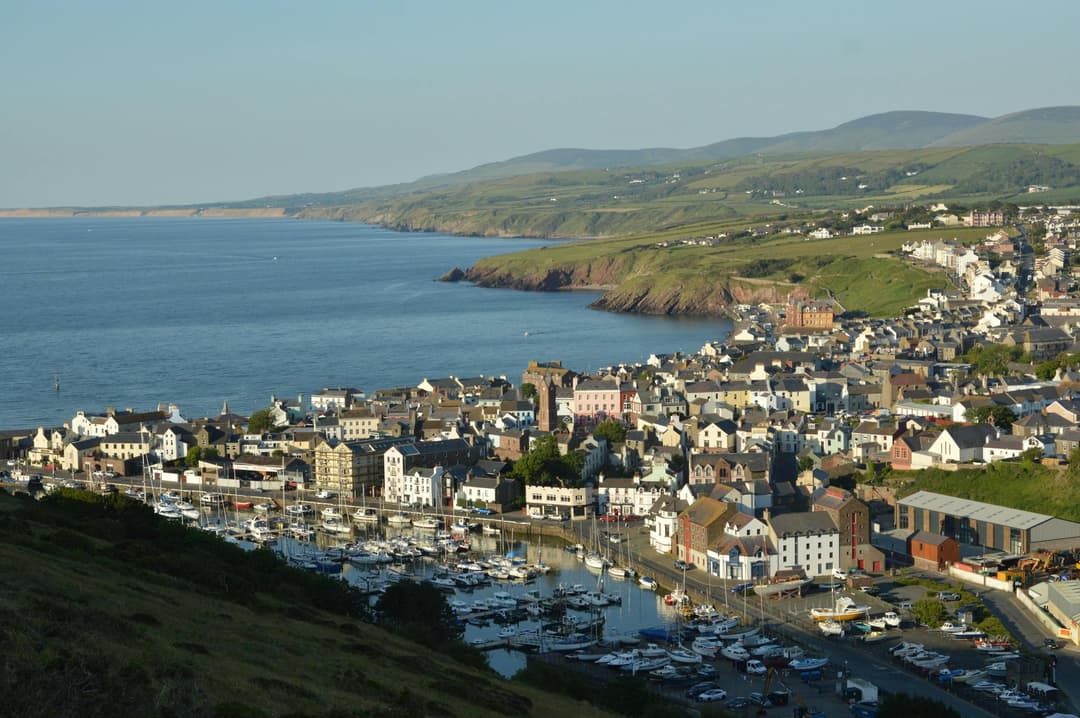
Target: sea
134	312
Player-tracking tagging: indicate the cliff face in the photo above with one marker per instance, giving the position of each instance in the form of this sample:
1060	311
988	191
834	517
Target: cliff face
693	296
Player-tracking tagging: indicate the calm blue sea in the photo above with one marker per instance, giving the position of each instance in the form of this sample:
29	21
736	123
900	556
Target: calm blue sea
133	312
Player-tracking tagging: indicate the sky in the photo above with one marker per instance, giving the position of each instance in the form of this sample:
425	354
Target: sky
149	103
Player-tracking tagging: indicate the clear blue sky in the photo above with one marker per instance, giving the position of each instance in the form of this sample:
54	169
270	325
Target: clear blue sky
151	102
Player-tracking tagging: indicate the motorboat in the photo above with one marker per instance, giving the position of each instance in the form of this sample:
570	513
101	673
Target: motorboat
735	652
905	646
651	650
831	628
845	609
950	627
808	664
212	499
648	583
188	510
299	509
705	646
997	670
365	516
875	636
330	512
335	526
892	619
877	624
427	522
595	561
683	655
666	673
398	519
646	664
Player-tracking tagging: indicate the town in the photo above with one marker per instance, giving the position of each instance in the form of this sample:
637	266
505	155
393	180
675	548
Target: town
789	452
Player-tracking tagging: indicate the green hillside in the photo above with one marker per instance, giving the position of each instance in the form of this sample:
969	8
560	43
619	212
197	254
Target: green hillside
1047	125
110	611
883	131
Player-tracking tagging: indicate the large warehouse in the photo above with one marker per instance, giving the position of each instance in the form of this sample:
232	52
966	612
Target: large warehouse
994	527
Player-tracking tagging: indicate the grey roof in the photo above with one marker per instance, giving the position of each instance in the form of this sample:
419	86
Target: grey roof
802	522
977	510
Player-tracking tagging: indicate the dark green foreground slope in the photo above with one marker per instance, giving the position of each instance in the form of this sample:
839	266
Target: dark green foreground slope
107	611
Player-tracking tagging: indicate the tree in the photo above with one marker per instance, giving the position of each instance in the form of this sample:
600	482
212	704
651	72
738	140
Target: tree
806	462
545	466
902	705
259	422
419	610
929	612
528	391
993	359
612	430
1003	417
210	452
194	454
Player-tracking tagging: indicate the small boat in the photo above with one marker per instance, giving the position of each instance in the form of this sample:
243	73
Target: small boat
427	522
188	510
735	652
299	509
366	516
573	642
875	636
330	512
877	624
782	588
997	670
808	664
676	598
212	499
398	520
335	526
892	619
666	673
831	628
648	583
950	627
646	664
683	655
845	609
595	561
242	505
968	635
968	676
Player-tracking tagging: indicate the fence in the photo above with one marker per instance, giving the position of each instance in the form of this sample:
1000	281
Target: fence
980	580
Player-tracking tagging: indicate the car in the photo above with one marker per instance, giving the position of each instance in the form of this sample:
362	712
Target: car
484	512
870	590
949	596
839	574
1051	644
739	702
698	688
324	494
711	696
831	586
607	518
681	565
707	670
756	668
739	588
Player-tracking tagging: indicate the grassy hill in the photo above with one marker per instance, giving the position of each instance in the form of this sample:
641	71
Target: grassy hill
110	611
1047	125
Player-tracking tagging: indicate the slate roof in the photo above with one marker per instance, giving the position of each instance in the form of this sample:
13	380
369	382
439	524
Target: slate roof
977	510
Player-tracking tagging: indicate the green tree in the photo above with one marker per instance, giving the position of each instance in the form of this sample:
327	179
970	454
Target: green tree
528	391
902	705
993	359
194	454
1003	416
210	452
930	612
259	422
806	462
419	610
612	430
545	466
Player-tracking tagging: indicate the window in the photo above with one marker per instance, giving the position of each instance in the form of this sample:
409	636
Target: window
903	519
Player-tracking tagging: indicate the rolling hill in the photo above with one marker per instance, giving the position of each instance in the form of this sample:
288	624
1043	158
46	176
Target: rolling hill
1045	126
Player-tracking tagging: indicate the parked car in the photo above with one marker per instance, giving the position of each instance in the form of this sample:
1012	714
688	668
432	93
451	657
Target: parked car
1051	644
484	512
711	696
756	668
949	596
739	702
324	494
739	588
839	574
698	688
681	565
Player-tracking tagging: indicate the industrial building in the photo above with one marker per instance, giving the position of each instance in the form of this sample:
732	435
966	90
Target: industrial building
975	523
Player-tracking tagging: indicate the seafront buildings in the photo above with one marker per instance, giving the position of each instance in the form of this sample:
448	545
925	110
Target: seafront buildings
747	458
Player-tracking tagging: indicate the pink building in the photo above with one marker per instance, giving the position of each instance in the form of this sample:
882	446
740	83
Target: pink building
596	400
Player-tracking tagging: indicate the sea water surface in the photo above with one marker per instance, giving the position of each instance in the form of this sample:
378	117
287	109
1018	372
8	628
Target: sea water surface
136	311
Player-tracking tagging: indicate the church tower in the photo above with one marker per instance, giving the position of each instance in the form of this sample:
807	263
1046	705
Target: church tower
546	412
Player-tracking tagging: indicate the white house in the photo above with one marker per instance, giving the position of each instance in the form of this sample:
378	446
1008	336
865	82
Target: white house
745	552
808	540
664	516
420	485
961	444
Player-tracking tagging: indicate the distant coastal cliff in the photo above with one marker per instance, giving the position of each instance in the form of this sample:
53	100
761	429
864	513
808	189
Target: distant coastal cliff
219	212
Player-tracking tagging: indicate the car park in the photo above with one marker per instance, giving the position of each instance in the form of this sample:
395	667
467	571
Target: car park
711	696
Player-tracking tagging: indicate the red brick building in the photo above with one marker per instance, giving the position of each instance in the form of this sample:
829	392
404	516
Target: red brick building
933	552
